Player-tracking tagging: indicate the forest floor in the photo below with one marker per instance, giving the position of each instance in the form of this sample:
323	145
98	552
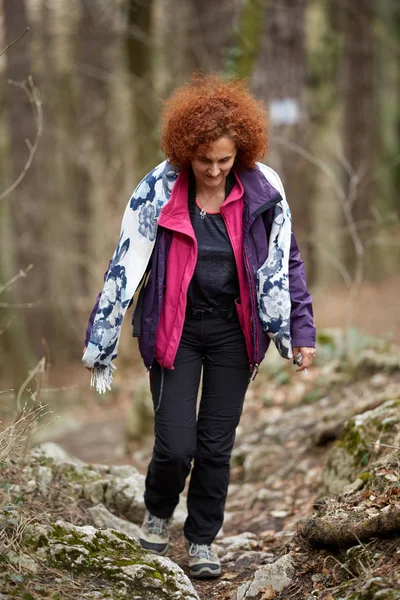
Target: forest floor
288	425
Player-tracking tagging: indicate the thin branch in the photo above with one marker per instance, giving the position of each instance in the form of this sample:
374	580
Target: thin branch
19	304
378	444
22	273
32	93
14	42
323	166
7	326
39	369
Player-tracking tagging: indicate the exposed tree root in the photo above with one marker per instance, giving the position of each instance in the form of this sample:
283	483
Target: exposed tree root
338	531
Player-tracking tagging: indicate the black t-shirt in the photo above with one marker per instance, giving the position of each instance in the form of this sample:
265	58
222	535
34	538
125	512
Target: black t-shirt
215	280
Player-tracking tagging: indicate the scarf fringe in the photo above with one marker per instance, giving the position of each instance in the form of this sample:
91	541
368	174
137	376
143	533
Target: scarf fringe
102	379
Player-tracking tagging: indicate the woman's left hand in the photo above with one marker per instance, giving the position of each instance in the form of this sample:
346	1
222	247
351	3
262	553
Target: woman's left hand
306	357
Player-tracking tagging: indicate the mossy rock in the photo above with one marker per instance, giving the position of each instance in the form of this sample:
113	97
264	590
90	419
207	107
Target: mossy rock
377	588
355	451
116	559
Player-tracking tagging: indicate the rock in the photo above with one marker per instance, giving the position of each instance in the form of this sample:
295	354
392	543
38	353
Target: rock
114	557
54	452
24	562
139	421
278	575
44	477
95	490
351	488
353	452
125	494
243	541
371	360
238	561
105	519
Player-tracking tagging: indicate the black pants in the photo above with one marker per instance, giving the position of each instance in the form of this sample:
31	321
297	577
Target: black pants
218	346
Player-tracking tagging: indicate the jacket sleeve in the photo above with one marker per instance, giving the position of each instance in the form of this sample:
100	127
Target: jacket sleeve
302	328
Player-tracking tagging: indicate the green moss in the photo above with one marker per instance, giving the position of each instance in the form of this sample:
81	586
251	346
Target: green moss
104	555
364	476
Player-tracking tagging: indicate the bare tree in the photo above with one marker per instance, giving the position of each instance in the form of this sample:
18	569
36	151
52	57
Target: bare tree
279	79
359	108
17	218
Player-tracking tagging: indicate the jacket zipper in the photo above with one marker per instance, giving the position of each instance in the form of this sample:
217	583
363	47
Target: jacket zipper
160	288
255	364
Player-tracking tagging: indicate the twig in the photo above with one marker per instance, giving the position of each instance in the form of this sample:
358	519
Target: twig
378	443
32	93
14	42
19	304
39	369
22	273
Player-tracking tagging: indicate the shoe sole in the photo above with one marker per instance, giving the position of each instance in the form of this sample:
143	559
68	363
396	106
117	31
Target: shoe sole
153	550
205	573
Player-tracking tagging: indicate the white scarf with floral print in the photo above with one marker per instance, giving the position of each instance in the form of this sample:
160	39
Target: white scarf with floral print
131	257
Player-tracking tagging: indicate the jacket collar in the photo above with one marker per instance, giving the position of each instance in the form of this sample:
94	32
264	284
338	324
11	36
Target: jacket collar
259	194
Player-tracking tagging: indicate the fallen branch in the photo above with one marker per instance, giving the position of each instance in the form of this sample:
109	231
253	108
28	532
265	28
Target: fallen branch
339	531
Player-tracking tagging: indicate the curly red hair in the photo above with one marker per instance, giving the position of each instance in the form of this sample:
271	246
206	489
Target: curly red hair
207	108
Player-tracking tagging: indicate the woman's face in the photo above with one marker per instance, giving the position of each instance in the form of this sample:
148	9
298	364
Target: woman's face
211	166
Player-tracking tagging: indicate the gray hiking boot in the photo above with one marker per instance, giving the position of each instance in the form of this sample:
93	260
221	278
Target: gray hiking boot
203	561
154	534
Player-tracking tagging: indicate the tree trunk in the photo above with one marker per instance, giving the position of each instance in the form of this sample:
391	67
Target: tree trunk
210	32
359	110
18	209
247	47
279	79
140	66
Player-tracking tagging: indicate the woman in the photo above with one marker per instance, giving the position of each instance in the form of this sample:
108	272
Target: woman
209	232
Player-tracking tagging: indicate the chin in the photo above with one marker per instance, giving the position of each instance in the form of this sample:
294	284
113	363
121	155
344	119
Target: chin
214	180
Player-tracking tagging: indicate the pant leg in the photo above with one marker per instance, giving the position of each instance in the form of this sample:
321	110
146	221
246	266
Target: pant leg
225	380
174	395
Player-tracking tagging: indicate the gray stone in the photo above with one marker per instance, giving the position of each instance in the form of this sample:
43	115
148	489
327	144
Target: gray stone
118	559
126	495
278	575
94	491
44	477
54	452
103	518
23	561
243	541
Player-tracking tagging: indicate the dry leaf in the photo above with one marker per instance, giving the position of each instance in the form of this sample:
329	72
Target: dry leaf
268	593
268	533
229	575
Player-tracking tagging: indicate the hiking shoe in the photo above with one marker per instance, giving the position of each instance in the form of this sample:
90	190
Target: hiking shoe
154	534
203	561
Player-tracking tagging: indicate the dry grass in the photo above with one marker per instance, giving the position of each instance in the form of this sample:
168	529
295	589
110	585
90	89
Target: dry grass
14	438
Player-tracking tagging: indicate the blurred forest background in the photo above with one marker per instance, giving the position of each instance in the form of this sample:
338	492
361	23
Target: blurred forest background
80	98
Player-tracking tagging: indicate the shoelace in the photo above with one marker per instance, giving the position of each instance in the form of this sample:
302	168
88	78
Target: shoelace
156	525
200	551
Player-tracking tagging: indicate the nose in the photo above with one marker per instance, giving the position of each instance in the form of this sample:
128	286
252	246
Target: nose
214	170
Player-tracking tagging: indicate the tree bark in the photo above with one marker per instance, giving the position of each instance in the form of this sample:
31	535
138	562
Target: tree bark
18	210
279	79
145	109
335	531
210	31
359	110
